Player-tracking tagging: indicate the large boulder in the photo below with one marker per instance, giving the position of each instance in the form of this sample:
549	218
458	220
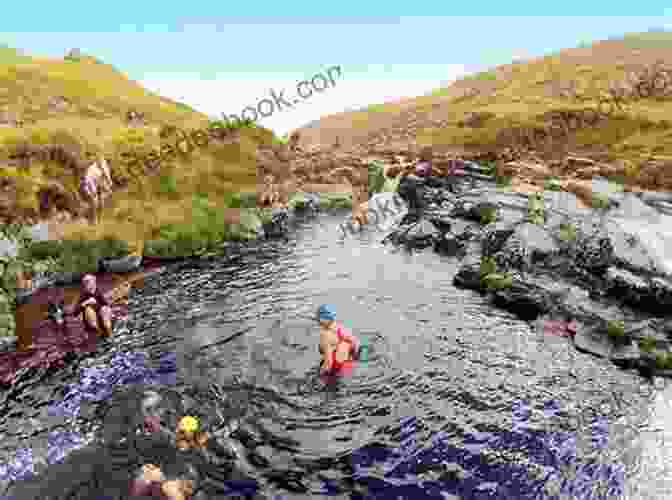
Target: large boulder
469	274
386	210
527	245
591	338
276	225
641	236
528	298
422	234
593	250
495	237
411	190
653	294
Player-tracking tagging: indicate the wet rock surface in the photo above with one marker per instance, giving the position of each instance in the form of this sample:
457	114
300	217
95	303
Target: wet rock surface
614	255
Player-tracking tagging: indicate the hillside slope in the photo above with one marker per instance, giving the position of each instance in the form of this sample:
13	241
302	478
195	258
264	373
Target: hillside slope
57	114
548	105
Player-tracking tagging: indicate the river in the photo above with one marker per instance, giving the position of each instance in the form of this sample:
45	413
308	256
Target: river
450	381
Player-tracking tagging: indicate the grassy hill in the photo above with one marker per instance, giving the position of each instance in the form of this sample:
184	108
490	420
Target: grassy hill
499	108
75	107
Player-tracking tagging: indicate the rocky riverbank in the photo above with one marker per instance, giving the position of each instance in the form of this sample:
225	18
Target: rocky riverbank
596	274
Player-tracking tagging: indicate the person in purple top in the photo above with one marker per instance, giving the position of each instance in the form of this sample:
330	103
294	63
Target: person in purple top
423	168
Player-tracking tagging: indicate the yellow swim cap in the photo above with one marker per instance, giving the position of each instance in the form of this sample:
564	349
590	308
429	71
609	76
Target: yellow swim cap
189	424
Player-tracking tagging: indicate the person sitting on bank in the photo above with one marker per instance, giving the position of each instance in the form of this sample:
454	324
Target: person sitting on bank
94	307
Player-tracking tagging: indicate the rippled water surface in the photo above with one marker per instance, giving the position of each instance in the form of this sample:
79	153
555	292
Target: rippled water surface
449	379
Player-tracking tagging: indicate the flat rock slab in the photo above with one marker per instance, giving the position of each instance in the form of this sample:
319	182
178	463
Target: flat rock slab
652	229
587	339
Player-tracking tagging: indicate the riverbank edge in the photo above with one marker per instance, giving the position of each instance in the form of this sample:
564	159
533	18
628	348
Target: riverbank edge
12	294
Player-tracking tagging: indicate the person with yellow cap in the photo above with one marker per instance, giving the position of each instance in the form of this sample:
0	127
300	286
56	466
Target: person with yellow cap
188	434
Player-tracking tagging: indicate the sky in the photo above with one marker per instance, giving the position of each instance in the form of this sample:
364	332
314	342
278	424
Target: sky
236	55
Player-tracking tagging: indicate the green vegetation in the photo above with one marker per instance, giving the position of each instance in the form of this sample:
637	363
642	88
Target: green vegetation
502	180
615	329
647	344
488	214
490	278
600	201
553	184
663	361
488	266
567	232
377	179
335	200
483	75
536	212
76	107
73	255
497	281
490	167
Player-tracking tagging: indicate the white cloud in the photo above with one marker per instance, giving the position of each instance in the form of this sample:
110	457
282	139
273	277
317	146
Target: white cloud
224	95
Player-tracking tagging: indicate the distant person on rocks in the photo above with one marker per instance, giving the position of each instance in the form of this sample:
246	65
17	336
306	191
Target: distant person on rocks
338	347
423	168
293	142
95	186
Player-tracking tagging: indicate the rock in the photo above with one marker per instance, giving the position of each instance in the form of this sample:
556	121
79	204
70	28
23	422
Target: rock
579	162
525	299
468	276
649	294
449	245
304	203
442	222
641	234
386	210
8	248
539	243
478	210
628	286
278	225
513	255
626	355
495	236
536	171
593	251
411	190
593	340
421	235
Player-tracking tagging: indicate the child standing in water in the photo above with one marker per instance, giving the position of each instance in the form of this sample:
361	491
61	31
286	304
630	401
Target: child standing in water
338	347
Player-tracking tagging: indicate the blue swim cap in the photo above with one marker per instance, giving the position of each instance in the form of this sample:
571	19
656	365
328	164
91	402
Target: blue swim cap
325	312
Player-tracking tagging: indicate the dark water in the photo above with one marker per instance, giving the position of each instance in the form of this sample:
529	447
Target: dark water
457	398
